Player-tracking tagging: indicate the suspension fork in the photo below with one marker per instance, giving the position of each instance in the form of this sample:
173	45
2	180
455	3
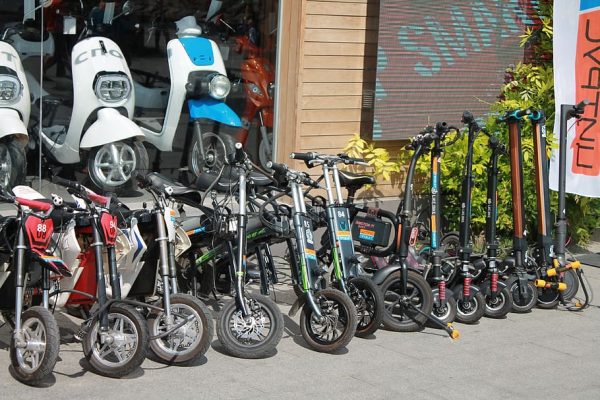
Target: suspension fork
115	282
19	261
198	133
264	133
172	268
163	249
98	244
240	264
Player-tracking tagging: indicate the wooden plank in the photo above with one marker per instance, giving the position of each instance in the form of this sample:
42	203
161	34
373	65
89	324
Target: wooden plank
336	62
339	89
344	1
328	128
330	115
338	49
331	102
340	75
340	35
323	143
341	22
336	8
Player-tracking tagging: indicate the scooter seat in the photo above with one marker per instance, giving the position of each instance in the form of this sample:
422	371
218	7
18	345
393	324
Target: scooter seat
350	179
30	32
160	183
229	178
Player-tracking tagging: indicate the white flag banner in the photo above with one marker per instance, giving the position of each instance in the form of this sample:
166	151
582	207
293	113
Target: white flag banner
577	77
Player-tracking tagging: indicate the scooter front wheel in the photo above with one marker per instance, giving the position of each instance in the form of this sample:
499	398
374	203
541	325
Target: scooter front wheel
445	313
523	303
112	166
119	351
13	164
500	305
33	360
216	148
336	327
188	342
368	301
255	336
469	311
401	313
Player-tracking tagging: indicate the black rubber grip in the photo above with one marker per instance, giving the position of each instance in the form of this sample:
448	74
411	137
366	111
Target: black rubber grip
143	179
278	168
240	155
302	156
66	183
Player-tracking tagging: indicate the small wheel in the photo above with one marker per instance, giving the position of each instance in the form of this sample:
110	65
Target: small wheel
368	300
112	166
338	325
255	336
400	314
188	342
127	343
500	306
572	280
470	311
264	154
445	313
216	149
523	304
34	362
13	164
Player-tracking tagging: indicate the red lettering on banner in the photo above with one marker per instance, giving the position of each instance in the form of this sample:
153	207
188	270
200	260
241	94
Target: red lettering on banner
586	145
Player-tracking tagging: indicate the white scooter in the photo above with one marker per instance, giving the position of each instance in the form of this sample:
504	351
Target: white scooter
100	133
14	117
197	74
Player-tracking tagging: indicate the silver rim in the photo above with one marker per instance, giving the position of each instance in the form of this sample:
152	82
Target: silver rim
472	304
497	306
213	160
255	329
184	339
5	166
114	164
122	343
31	356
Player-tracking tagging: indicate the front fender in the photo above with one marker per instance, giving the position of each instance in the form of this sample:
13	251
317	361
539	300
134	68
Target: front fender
110	127
383	273
215	110
12	124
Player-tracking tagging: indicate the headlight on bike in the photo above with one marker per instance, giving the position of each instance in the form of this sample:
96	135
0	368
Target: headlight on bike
219	87
10	89
255	90
112	88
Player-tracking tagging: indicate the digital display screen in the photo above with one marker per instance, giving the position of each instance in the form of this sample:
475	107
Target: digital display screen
437	59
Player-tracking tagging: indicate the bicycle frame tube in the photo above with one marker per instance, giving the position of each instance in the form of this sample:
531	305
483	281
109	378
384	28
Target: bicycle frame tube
163	249
435	221
544	236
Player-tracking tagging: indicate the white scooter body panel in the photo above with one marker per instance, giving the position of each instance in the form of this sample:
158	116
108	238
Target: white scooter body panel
68	250
130	249
180	66
110	127
91	57
15	117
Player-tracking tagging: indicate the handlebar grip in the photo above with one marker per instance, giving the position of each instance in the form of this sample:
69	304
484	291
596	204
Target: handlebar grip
66	183
467	117
142	179
278	168
240	154
303	156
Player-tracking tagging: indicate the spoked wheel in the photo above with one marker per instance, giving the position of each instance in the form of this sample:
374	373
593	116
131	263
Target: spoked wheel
400	309
469	311
13	166
255	336
446	313
216	149
368	301
188	342
523	303
336	327
112	166
123	348
34	358
500	305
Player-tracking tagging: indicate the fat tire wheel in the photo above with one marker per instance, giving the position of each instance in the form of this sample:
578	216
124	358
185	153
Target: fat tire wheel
264	348
475	311
200	347
222	145
445	316
50	356
18	162
141	346
410	320
521	306
500	309
141	166
345	307
368	301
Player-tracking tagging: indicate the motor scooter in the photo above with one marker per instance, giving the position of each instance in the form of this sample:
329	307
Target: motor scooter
197	74
99	135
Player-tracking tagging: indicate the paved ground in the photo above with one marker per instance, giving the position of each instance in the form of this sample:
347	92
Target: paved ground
545	354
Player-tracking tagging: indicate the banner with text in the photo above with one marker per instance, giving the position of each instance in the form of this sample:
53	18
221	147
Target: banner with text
577	77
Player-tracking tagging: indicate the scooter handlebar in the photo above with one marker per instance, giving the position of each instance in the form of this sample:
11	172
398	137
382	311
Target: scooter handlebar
303	156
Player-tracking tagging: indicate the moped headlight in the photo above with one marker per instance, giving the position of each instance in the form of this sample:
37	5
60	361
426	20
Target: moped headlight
113	88
254	89
271	90
10	89
219	87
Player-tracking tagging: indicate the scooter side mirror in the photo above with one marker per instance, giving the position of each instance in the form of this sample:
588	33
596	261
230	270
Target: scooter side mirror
127	8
